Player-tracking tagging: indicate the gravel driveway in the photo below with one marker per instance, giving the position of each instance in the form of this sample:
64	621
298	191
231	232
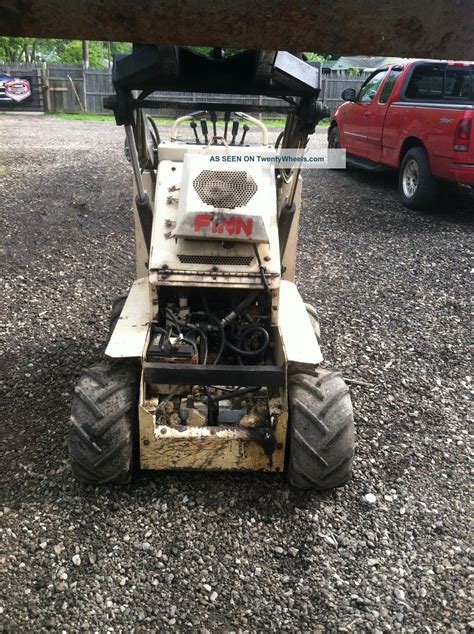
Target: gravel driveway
225	552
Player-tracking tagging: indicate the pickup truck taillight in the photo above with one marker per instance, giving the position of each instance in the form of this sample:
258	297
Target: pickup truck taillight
462	135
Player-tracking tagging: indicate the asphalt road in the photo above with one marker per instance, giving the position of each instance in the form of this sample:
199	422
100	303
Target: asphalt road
226	552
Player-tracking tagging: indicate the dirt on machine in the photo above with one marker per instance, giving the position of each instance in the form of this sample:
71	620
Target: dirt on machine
213	360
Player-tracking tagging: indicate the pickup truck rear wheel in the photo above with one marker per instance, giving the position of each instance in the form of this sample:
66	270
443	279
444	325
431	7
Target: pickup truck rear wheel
416	183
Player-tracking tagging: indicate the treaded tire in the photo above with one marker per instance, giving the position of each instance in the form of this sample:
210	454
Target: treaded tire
103	428
322	434
314	318
117	307
334	138
427	188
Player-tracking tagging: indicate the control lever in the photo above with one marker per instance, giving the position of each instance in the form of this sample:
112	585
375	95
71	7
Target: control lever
197	114
246	128
213	115
193	125
235	130
142	200
226	123
204	130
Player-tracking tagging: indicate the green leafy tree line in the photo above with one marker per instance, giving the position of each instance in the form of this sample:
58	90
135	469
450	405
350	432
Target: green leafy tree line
24	50
27	50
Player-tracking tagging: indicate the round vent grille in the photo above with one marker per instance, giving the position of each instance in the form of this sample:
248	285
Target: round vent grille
225	190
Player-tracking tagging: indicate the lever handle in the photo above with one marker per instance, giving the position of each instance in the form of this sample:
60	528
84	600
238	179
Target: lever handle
193	125
246	128
204	129
213	115
235	130
226	122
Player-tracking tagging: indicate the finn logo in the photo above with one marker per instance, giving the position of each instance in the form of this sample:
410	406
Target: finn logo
231	225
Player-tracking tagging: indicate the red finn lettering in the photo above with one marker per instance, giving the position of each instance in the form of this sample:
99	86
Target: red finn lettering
232	225
244	225
201	221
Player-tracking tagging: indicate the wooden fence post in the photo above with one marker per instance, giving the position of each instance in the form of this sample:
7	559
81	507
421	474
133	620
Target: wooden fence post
45	80
84	86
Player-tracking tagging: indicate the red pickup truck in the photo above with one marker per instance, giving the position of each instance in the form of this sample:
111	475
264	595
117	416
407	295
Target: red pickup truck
416	117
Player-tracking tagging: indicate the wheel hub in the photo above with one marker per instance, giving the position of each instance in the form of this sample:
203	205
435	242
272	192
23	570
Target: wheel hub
411	178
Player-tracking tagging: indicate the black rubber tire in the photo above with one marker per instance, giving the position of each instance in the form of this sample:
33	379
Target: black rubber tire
334	138
314	318
427	189
117	307
322	437
103	431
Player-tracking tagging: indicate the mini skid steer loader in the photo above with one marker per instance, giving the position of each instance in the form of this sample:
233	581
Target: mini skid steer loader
213	359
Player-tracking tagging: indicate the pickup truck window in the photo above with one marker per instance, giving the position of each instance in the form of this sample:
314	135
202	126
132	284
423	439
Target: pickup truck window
426	83
389	84
430	82
369	89
457	83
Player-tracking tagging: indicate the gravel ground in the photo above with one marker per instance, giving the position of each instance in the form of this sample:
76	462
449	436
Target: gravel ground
227	552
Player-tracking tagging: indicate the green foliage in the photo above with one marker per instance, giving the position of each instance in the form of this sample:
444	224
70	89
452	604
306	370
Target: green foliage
22	50
18	49
315	57
206	50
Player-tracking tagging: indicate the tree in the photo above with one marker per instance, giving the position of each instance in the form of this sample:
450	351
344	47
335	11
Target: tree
21	50
18	49
315	57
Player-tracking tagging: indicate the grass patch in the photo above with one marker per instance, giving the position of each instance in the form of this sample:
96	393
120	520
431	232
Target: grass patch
108	118
280	123
64	116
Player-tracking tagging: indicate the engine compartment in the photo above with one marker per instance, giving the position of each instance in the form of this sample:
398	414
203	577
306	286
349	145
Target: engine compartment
212	327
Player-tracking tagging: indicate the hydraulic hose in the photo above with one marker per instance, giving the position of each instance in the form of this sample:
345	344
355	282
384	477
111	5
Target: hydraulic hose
250	353
203	357
262	271
220	328
213	401
240	308
142	200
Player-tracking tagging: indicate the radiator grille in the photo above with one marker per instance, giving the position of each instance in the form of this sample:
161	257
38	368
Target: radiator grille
218	260
226	190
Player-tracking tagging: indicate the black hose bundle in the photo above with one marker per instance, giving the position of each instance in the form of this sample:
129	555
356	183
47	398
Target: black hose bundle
186	330
225	343
250	353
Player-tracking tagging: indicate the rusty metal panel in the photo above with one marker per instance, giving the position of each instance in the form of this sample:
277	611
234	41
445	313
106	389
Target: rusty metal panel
213	448
425	28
